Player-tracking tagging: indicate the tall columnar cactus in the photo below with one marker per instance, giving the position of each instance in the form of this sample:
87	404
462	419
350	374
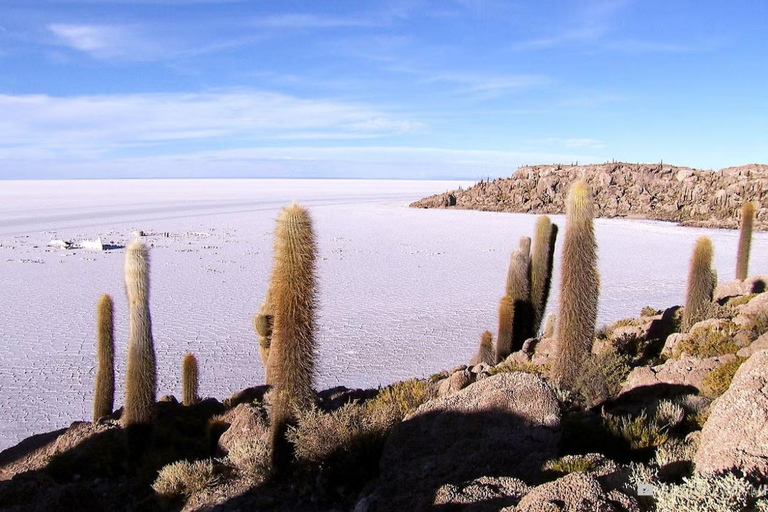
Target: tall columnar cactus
525	245
104	391
548	331
140	375
189	380
745	240
292	354
542	259
262	324
579	289
518	289
485	351
698	298
504	336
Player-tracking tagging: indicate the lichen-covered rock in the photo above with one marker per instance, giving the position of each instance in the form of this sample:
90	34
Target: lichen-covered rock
754	314
484	493
507	424
576	492
246	422
686	371
736	434
760	343
458	380
754	284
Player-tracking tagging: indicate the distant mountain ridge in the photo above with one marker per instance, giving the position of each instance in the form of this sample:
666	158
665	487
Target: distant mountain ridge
691	197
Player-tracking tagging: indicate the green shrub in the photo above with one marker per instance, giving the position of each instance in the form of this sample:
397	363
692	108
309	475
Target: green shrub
708	342
516	366
639	432
571	464
718	380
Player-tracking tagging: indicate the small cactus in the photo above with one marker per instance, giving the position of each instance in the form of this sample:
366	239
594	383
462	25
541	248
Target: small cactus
292	353
525	245
262	324
698	299
745	240
104	391
140	375
504	336
189	380
485	351
542	259
580	286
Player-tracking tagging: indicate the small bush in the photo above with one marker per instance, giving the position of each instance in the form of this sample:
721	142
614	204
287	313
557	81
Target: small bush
707	342
602	376
571	464
668	414
399	399
722	492
516	366
639	433
718	380
184	478
675	451
251	457
435	377
649	311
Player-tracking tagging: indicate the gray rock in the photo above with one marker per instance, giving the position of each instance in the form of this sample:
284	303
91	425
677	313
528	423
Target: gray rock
760	343
246	422
576	492
507	424
484	493
455	382
736	433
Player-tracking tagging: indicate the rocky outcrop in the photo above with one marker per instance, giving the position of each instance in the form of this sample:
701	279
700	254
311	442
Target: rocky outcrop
458	438
483	493
650	191
576	492
686	372
736	434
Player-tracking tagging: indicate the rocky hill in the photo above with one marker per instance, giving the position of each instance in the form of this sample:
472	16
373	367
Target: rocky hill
650	191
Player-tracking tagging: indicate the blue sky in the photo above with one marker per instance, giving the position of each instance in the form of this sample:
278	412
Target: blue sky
404	88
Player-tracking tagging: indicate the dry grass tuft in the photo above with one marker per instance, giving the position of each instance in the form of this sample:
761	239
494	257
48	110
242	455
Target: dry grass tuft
184	478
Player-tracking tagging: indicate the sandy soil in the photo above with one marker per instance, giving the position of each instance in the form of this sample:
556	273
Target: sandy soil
403	292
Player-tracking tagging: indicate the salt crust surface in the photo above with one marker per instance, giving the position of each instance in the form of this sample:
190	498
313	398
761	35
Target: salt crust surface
402	292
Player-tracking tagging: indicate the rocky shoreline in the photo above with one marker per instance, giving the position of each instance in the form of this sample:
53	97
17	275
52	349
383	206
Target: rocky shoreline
691	197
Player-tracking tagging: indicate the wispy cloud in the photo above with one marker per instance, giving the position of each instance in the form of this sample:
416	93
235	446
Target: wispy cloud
100	124
301	21
486	83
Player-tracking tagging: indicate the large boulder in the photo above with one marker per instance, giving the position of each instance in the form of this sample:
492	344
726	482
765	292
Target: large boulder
736	433
576	492
246	422
505	425
754	284
483	493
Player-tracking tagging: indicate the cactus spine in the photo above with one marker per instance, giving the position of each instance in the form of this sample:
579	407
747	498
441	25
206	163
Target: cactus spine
291	358
104	391
189	380
745	240
504	336
485	351
579	288
542	259
698	298
140	376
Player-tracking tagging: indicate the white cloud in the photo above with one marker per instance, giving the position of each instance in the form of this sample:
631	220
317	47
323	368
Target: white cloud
109	122
306	161
105	41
